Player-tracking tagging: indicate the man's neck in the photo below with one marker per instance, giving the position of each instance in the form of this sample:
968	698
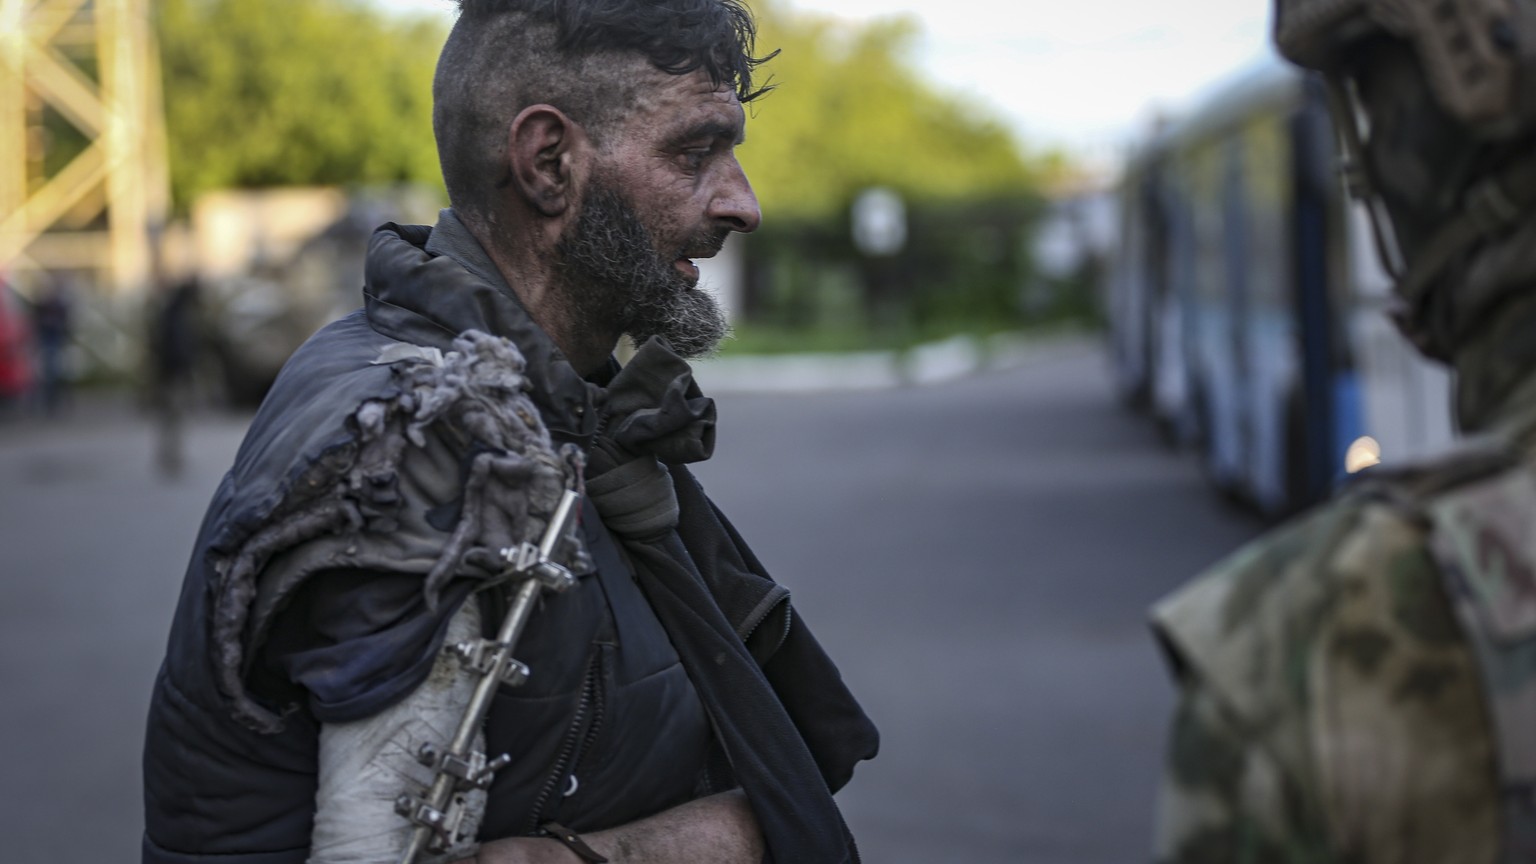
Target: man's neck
528	270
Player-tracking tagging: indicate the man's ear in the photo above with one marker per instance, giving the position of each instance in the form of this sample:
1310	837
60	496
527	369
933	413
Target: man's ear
541	149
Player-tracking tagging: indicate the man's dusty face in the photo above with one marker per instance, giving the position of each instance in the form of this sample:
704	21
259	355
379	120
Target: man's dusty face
615	272
667	190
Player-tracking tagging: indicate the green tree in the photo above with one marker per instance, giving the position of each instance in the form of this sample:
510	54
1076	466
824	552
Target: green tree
278	92
850	111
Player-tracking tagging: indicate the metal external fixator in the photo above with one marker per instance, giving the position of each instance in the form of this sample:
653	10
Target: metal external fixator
472	771
527	561
483	656
439	813
442	827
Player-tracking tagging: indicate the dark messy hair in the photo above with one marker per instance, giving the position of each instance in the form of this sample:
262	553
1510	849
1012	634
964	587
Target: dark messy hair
578	55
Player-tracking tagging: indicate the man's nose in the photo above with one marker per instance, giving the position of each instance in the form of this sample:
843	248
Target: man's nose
734	203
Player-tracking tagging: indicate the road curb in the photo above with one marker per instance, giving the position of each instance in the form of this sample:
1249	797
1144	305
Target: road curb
922	365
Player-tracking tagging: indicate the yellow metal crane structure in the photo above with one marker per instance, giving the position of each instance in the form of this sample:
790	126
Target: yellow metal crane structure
96	206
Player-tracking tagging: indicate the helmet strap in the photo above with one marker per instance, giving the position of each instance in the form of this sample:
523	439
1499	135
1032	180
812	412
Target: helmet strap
1488	208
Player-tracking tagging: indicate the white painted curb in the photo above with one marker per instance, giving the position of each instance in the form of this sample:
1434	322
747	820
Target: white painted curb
930	363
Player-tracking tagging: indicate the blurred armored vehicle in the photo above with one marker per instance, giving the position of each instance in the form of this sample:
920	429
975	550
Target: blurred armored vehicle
277	265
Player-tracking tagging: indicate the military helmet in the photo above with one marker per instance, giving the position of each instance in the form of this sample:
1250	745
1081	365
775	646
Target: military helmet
1473	52
1435	105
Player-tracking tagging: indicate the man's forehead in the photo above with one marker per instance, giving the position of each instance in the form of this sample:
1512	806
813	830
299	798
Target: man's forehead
676	102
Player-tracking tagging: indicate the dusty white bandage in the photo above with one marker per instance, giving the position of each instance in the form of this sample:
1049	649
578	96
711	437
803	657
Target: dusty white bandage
368	764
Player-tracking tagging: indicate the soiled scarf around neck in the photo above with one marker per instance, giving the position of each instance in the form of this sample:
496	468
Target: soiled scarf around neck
655	417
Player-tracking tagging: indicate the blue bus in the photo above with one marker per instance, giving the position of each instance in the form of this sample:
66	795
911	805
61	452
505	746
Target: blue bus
1247	306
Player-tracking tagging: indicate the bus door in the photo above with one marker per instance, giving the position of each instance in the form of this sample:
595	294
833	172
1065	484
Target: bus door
1130	291
1273	403
1175	360
1218	374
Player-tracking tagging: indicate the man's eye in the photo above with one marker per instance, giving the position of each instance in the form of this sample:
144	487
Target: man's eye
694	159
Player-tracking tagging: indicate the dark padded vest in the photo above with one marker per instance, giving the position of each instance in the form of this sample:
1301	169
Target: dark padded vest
607	730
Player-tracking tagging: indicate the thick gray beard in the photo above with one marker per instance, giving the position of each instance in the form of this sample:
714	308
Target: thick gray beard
615	278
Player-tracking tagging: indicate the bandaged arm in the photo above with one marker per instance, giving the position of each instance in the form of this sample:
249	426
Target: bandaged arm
367	764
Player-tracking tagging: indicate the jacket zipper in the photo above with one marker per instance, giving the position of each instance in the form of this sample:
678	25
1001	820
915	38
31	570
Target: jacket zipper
599	711
576	739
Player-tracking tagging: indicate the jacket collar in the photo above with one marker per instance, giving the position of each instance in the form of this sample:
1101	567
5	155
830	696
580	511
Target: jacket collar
427	285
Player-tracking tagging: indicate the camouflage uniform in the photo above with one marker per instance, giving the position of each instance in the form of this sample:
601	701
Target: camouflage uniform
1360	685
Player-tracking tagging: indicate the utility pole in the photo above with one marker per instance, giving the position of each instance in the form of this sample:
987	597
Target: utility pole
96	201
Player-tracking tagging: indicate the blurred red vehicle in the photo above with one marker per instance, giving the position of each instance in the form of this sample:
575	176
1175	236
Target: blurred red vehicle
15	346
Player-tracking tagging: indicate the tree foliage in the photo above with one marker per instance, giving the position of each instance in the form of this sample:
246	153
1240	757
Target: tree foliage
850	110
295	92
282	92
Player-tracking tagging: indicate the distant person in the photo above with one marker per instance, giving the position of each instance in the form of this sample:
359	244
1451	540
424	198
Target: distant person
16	361
1360	685
174	343
52	328
678	708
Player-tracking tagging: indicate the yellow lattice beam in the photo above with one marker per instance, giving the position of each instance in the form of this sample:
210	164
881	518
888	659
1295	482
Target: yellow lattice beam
118	111
13	111
65	87
47	17
46	206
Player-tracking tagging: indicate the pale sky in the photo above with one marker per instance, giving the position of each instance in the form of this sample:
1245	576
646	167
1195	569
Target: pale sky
1084	74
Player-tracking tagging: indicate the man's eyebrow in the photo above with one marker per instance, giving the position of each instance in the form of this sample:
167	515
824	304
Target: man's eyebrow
736	133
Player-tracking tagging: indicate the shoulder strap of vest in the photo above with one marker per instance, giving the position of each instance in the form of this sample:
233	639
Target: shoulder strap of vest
1480	508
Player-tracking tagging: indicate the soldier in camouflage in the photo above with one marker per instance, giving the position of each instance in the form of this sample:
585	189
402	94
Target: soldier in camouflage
1360	686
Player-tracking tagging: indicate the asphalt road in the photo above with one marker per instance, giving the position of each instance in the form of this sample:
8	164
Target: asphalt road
977	555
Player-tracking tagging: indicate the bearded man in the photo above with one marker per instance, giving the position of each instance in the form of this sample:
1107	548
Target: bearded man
674	709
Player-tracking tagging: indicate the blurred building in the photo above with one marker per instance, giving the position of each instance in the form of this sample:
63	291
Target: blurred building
1075	236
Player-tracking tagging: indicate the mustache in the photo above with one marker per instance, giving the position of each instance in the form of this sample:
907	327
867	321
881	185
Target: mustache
706	243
